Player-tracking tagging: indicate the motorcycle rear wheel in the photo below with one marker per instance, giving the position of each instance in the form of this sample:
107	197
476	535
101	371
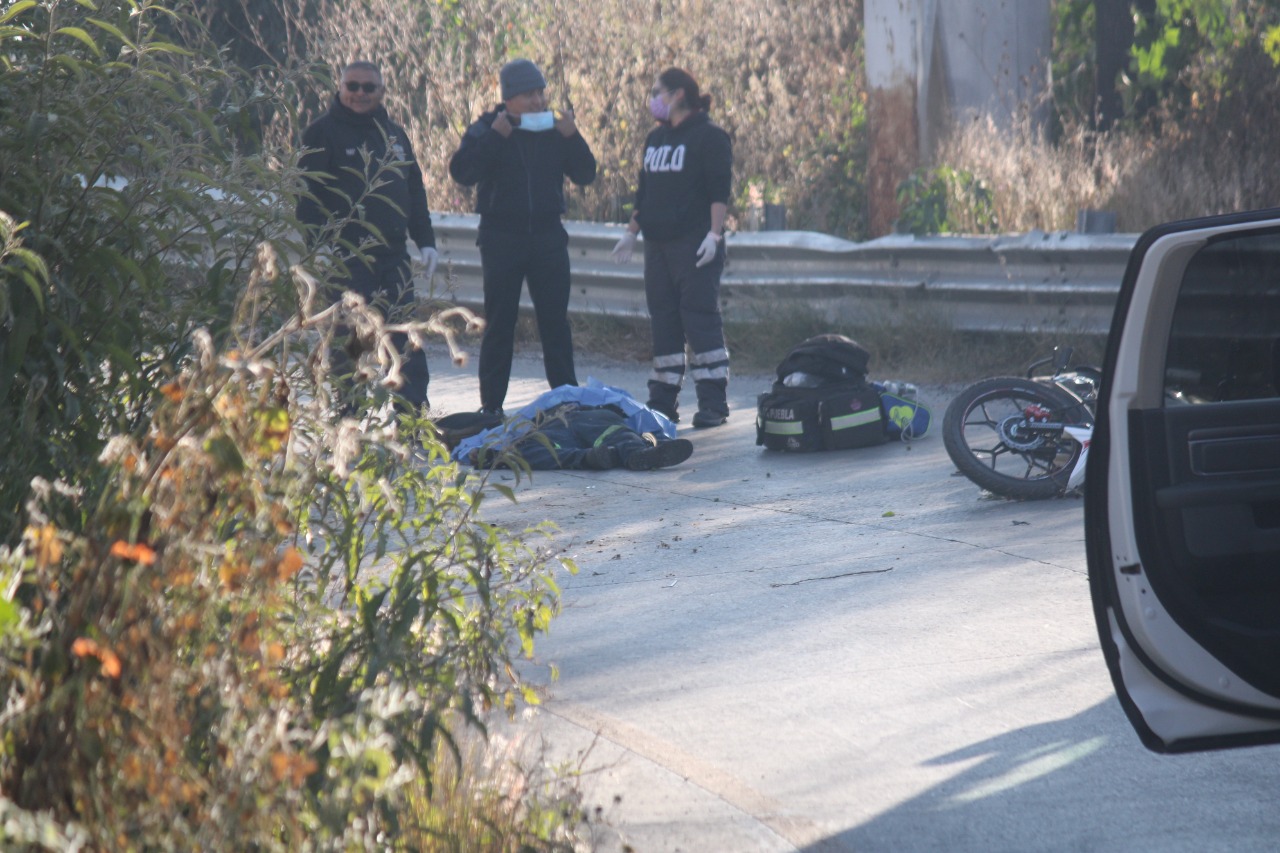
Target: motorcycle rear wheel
984	431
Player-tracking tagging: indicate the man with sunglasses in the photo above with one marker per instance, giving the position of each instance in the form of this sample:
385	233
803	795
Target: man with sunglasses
364	196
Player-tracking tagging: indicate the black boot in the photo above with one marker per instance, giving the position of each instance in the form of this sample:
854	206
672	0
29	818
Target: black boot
713	403
662	399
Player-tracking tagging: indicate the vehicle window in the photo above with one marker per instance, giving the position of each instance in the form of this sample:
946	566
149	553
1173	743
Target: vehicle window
1224	343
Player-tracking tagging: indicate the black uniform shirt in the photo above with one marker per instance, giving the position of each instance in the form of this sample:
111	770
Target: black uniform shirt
338	177
686	169
520	177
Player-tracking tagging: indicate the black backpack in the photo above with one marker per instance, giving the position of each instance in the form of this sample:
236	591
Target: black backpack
831	357
821	399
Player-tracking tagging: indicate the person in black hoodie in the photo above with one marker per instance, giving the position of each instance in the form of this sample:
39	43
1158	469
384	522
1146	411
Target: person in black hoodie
681	201
364	196
517	156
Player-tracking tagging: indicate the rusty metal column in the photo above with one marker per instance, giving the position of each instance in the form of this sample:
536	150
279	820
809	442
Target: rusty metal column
891	36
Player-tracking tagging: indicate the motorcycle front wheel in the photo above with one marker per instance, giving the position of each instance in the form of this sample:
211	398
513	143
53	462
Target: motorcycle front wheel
990	433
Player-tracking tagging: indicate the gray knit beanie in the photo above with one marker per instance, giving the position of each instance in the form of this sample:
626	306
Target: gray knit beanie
519	76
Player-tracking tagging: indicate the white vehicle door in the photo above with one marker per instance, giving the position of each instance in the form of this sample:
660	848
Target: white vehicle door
1182	490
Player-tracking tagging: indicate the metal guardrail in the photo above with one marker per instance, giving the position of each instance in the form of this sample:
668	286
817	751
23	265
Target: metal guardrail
1036	282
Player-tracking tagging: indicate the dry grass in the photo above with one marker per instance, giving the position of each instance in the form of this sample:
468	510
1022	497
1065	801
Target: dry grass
785	78
1146	177
501	793
921	350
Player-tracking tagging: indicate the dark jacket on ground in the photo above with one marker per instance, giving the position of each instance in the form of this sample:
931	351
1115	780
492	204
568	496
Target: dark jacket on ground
686	169
519	179
339	177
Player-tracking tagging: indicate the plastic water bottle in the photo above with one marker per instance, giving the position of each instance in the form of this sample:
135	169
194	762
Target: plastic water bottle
800	379
904	390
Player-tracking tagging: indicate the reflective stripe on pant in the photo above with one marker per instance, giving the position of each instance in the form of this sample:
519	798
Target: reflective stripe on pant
508	260
710	374
684	307
668	369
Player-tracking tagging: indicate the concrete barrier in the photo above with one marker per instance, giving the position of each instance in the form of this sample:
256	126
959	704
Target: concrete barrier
1035	282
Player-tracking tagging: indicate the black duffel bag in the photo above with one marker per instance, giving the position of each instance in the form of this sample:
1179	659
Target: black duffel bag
832	416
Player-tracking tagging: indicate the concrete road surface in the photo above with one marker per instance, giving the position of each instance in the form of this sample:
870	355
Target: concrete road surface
857	651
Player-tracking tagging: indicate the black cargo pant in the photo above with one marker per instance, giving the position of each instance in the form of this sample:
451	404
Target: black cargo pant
385	281
508	260
569	433
684	307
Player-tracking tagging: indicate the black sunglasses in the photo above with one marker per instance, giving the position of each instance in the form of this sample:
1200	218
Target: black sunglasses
369	88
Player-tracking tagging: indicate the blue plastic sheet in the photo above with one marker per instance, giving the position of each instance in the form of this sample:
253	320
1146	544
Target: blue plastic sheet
594	393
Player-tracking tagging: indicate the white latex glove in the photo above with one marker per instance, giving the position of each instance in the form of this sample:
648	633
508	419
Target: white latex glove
427	258
626	247
430	259
707	251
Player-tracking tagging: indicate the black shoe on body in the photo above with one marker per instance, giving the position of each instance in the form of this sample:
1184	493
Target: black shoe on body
452	429
664	454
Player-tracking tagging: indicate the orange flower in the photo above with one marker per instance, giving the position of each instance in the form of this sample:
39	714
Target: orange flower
232	574
83	647
296	767
139	552
250	642
48	549
289	564
279	765
132	768
110	663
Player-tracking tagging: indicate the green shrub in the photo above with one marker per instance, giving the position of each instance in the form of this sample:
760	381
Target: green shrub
229	620
268	625
122	154
944	200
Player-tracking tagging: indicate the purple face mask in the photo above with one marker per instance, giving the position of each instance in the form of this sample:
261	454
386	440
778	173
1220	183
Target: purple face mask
661	111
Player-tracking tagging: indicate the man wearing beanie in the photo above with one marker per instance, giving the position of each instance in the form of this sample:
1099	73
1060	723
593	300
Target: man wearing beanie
517	156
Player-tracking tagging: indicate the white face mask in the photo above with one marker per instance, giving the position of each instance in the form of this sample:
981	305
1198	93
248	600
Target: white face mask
538	122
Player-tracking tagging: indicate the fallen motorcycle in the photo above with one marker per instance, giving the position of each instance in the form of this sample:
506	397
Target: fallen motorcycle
1025	437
